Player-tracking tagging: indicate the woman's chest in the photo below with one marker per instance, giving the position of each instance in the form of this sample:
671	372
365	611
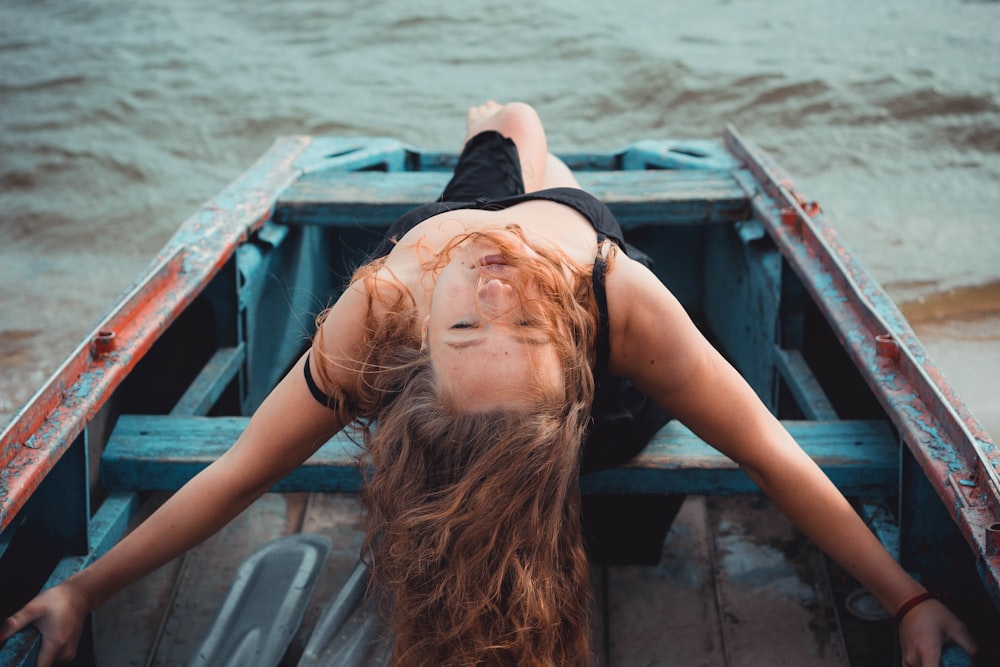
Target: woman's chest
543	224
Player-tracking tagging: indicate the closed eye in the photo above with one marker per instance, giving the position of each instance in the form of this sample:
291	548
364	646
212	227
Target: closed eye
463	325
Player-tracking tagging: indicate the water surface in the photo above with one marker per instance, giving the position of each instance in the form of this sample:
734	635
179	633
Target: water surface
117	119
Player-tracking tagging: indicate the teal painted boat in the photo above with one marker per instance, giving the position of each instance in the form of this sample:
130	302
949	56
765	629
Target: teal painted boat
167	380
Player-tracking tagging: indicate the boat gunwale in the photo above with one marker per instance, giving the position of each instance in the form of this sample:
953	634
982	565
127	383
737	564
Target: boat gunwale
886	350
42	430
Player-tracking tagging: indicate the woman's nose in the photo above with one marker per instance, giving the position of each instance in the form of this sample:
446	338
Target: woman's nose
495	296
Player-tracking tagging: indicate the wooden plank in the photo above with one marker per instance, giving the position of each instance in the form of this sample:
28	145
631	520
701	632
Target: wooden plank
741	300
205	390
861	457
152	452
805	388
600	616
775	605
663	196
667	614
126	626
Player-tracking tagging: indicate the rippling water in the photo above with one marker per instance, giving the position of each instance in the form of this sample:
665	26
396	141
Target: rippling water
118	118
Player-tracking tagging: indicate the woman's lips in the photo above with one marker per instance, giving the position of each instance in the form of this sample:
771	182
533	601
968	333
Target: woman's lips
493	260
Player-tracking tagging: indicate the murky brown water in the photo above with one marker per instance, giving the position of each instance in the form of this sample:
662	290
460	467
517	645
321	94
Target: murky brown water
117	119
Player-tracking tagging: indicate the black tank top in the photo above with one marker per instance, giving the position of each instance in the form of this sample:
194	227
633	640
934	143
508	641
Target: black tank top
623	418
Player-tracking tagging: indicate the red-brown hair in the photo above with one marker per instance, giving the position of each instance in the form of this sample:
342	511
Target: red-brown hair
473	527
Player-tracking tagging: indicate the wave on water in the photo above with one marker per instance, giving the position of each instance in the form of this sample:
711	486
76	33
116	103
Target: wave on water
118	120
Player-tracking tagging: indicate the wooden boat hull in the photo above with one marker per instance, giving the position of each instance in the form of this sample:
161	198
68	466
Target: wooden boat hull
164	382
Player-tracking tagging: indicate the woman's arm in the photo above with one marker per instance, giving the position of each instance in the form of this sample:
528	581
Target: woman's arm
287	428
655	344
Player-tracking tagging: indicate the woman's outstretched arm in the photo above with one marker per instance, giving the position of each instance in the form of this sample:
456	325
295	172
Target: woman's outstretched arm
287	428
655	344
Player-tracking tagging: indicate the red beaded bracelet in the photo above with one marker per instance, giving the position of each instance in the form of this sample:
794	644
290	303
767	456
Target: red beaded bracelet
908	606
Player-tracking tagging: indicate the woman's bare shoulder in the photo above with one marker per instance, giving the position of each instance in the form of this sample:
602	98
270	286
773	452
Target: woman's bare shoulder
630	287
362	306
649	327
342	326
372	291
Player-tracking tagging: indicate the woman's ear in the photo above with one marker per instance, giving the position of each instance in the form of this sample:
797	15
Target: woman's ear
424	328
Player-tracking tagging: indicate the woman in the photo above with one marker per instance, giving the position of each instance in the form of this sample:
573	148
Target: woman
482	338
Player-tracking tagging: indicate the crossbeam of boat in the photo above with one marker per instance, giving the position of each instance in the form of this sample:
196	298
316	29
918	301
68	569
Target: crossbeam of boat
151	452
659	196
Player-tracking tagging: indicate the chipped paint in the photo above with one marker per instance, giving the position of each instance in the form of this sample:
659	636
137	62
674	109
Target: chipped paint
937	427
41	431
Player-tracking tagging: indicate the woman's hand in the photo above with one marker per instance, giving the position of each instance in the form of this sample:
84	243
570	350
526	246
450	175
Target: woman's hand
58	614
926	629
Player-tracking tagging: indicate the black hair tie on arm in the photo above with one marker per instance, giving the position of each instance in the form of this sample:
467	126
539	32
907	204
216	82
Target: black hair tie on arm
321	397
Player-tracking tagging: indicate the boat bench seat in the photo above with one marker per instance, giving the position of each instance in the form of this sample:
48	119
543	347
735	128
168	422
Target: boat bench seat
153	452
643	197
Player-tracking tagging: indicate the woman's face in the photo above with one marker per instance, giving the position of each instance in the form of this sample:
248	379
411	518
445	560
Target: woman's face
486	352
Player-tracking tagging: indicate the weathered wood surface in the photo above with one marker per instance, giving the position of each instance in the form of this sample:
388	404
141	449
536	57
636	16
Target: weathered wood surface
668	614
738	586
162	453
131	620
663	197
723	595
773	592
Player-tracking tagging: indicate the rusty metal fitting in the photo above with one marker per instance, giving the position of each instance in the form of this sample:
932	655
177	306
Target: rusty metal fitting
887	347
789	217
993	540
103	343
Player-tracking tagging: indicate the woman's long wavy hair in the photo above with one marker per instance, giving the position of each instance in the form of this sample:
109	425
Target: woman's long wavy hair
473	526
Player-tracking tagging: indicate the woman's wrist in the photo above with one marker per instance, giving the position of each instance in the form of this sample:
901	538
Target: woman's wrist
78	588
910	604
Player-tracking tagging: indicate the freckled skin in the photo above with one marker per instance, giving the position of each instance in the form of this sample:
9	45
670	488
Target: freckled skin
476	343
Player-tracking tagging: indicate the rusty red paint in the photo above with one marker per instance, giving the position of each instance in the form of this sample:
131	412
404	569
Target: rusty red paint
41	431
887	347
789	217
946	440
103	343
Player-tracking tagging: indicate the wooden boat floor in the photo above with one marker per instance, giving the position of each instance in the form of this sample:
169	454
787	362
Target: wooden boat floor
737	586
